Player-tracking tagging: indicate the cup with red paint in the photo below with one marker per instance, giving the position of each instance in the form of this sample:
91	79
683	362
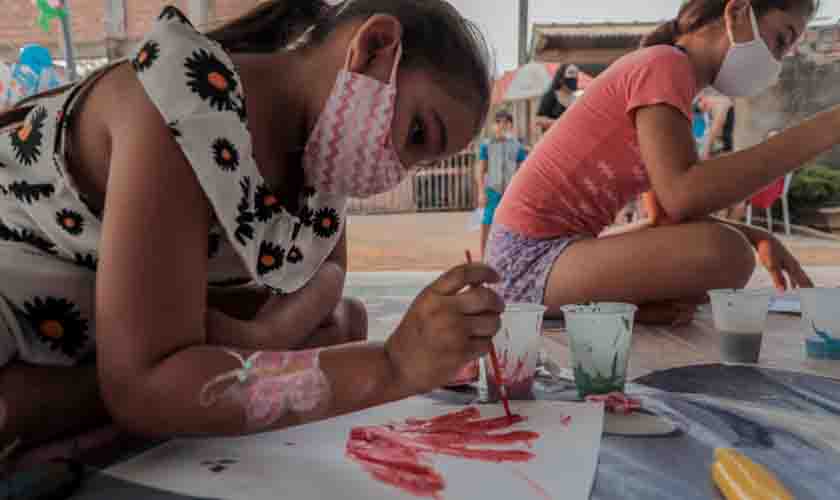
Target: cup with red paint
517	346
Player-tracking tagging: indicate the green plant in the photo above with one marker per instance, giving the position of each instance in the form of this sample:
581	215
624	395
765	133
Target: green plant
815	186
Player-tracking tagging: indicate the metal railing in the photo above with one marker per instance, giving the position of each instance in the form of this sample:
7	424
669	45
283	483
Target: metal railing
447	186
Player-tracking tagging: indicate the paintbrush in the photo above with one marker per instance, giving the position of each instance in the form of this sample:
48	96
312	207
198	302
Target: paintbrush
494	359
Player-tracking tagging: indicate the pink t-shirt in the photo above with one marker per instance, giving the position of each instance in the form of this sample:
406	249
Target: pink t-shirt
589	166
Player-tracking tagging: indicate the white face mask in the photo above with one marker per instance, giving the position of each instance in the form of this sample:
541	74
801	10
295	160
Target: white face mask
749	68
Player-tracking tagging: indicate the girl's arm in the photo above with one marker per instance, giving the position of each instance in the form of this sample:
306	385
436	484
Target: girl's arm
158	374
687	189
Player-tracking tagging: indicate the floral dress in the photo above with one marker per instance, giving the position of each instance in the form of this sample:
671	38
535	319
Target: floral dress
49	233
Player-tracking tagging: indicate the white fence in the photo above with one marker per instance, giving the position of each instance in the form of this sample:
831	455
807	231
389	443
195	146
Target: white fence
448	186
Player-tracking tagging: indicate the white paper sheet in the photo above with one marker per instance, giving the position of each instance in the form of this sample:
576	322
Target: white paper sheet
786	304
308	462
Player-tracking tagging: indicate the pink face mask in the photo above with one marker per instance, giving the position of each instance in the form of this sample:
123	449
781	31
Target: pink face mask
350	151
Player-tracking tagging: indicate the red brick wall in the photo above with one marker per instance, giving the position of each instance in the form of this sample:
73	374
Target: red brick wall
18	27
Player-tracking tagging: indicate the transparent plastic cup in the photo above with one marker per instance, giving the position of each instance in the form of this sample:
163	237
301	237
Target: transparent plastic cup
821	313
600	336
740	316
517	346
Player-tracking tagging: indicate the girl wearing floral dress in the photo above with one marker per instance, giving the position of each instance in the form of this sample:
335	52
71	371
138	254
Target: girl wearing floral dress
174	233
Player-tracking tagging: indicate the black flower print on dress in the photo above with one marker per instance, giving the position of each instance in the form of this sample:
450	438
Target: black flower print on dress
326	223
212	81
88	261
295	255
70	221
271	258
146	56
96	212
29	193
58	323
214	245
26	236
27	139
225	154
266	203
245	219
170	13
306	216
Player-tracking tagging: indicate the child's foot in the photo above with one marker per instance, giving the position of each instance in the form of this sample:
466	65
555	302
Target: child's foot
669	313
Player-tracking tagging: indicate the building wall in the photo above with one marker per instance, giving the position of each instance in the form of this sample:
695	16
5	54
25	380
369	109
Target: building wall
18	23
810	83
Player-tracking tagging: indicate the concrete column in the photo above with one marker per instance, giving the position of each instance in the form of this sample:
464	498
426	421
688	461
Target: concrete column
200	12
115	29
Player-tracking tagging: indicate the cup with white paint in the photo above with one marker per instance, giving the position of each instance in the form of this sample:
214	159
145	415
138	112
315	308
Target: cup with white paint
517	346
821	322
600	336
740	316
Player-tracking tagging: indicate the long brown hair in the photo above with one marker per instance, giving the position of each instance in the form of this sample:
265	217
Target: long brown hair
695	14
435	36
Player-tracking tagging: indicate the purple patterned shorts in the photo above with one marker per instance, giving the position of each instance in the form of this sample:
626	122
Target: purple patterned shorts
524	263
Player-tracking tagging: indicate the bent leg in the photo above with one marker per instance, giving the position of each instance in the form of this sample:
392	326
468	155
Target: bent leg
41	404
348	323
48	386
677	263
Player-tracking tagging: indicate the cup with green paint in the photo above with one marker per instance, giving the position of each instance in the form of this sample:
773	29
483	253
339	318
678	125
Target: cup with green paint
599	337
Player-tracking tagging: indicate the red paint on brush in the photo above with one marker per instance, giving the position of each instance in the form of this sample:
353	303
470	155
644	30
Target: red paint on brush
494	358
394	453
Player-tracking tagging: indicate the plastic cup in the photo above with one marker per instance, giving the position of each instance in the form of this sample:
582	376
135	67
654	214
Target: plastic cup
821	311
599	336
740	316
518	346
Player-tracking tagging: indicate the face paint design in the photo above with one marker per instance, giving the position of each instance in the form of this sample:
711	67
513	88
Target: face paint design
270	386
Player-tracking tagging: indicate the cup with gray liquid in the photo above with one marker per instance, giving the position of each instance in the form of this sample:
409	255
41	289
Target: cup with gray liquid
740	316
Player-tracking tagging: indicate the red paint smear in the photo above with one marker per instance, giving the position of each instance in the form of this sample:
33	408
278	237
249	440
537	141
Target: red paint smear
539	490
518	385
394	453
617	402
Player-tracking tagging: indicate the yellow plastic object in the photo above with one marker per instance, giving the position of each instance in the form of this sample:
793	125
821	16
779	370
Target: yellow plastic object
739	478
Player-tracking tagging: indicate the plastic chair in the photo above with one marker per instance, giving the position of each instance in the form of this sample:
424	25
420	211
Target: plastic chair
768	204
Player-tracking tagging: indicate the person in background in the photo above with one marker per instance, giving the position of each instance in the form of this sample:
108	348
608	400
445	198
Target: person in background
699	123
720	111
719	139
498	159
558	98
631	133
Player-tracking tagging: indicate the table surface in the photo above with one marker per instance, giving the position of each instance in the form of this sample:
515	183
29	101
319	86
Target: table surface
662	348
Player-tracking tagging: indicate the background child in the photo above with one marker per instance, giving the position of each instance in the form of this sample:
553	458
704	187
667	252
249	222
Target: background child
498	160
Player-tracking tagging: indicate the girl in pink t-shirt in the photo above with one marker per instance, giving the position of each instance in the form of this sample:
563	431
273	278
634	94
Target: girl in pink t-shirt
631	133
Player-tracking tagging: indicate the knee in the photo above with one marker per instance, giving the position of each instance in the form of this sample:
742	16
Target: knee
725	252
355	319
